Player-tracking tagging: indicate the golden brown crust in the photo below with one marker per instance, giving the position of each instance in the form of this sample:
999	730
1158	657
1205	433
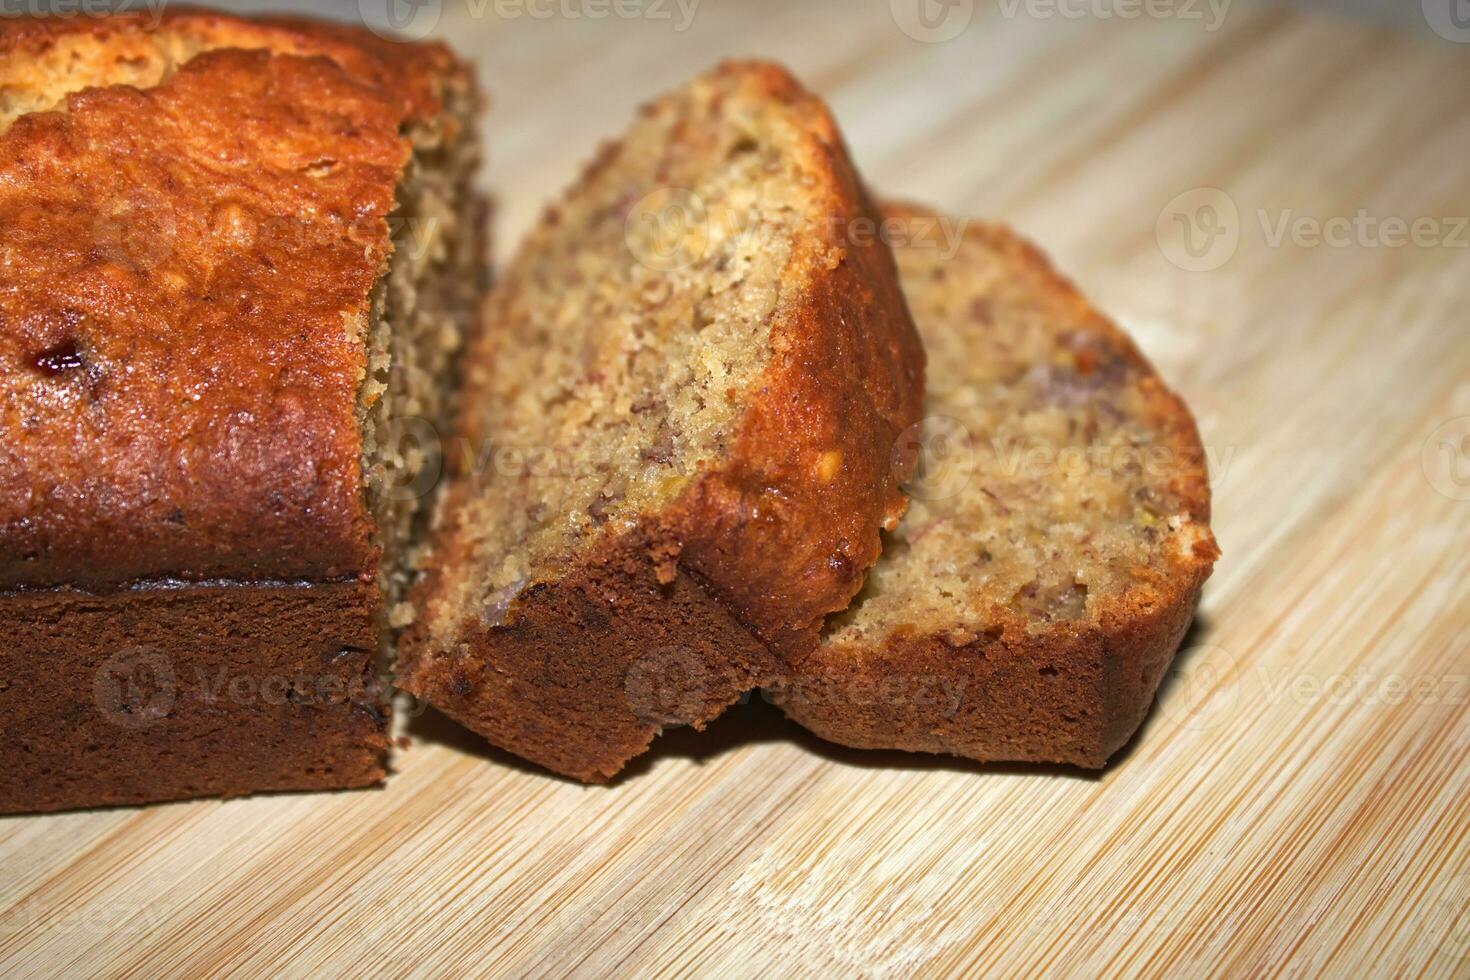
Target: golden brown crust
413	76
1073	692
786	529
745	564
184	279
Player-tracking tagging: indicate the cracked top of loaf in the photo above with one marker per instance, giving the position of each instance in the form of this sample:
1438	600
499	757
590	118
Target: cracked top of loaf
195	216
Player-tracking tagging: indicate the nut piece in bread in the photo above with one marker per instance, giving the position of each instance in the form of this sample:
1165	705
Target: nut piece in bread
1031	600
680	425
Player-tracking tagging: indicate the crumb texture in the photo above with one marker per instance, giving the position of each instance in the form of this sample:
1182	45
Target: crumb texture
1049	483
419	313
625	340
1029	603
676	448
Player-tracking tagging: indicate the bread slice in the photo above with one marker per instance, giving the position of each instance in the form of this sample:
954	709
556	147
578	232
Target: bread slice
1028	605
236	263
677	433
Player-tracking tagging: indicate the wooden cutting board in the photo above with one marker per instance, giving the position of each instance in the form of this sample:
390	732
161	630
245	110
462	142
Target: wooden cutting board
1300	799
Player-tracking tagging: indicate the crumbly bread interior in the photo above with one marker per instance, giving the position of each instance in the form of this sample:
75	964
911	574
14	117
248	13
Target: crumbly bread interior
431	289
1047	484
625	338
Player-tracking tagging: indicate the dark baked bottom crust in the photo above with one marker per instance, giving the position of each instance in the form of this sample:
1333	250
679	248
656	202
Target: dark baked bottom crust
595	666
170	692
1000	699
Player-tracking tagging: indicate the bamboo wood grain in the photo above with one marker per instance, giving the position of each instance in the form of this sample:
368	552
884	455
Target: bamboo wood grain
1282	811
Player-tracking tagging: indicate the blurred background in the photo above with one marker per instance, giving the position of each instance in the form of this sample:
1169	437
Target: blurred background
931	93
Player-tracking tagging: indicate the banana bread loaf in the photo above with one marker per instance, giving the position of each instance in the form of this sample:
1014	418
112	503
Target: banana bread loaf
237	260
1029	603
677	433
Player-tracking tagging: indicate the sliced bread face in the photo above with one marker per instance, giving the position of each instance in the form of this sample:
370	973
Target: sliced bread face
1031	600
676	445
